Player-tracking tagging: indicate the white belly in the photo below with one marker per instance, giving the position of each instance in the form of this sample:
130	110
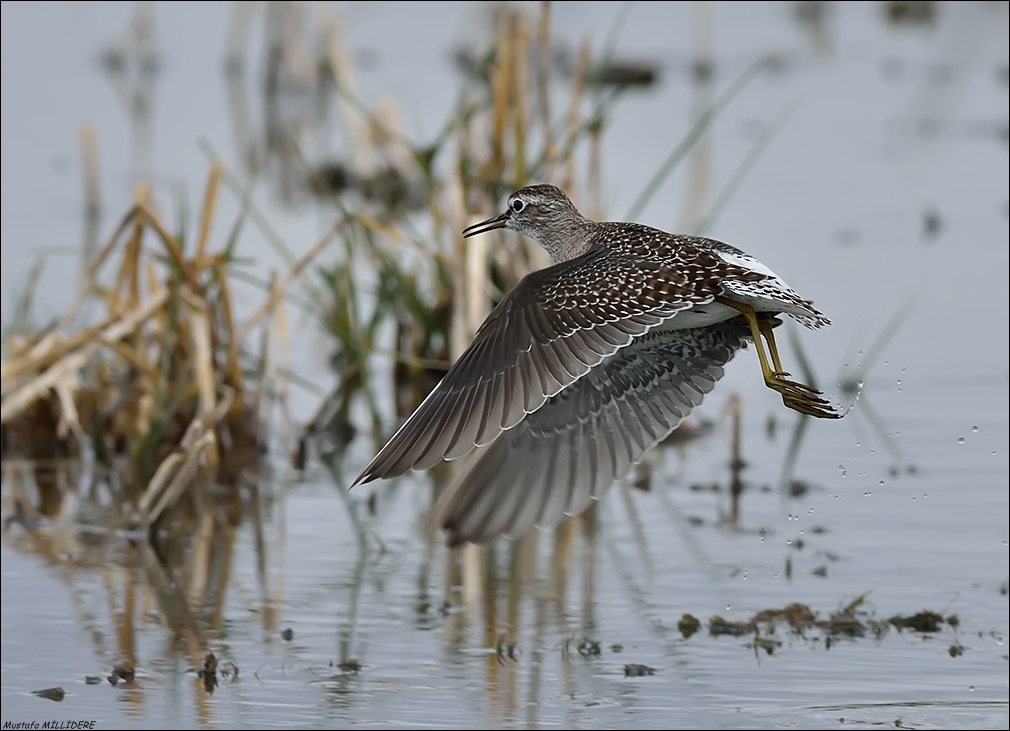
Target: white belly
700	316
714	312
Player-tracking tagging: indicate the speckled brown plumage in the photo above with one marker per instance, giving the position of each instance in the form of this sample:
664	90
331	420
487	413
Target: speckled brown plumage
619	299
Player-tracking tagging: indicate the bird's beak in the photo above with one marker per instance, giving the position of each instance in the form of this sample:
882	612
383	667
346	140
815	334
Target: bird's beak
485	226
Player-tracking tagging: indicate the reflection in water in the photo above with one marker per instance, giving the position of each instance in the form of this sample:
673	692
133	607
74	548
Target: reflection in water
132	65
179	583
542	626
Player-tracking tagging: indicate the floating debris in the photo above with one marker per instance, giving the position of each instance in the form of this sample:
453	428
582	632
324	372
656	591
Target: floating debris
51	694
798	616
924	621
350	666
910	12
688	625
209	672
718	626
624	73
634	670
704	487
768	644
388	187
123	671
850	622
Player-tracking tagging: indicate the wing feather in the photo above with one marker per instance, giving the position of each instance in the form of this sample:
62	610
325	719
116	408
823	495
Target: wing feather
541	338
568	452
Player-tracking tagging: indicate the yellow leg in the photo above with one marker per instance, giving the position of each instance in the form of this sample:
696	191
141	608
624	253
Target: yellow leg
755	331
796	396
773	350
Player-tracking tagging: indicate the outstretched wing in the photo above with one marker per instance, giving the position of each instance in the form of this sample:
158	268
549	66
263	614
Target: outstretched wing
548	332
569	451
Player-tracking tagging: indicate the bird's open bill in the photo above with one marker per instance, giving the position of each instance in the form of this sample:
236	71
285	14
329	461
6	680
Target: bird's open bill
484	226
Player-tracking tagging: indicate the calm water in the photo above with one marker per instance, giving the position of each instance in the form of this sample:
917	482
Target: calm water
887	187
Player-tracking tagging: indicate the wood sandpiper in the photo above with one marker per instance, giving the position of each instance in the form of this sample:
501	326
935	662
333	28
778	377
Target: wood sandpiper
587	364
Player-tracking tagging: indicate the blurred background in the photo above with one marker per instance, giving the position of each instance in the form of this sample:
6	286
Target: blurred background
232	265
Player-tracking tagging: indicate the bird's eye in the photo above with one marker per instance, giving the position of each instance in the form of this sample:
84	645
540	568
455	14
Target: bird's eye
517	205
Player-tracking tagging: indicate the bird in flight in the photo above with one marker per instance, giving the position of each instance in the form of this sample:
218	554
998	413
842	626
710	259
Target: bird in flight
587	364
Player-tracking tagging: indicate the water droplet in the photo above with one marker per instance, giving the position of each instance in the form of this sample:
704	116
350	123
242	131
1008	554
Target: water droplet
727	607
999	640
960	440
913	498
745	576
975	429
971	688
859	444
841	468
885	362
881	483
867	494
811	512
789	541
